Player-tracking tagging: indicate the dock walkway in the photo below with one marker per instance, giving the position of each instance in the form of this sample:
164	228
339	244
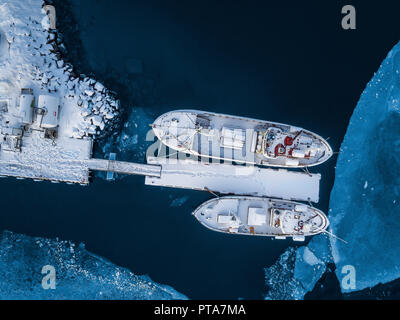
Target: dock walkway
186	174
124	167
235	179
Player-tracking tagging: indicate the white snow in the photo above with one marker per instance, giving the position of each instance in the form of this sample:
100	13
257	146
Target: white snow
40	159
99	87
28	60
240	180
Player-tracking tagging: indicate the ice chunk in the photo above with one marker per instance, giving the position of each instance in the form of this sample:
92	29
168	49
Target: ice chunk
368	219
134	140
99	87
280	279
46	23
297	271
79	274
370	223
60	64
308	268
89	93
179	201
97	120
109	115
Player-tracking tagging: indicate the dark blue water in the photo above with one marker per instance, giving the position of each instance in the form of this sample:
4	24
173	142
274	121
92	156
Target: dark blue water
288	62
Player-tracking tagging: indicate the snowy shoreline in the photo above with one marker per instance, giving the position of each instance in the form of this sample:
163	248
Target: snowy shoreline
36	86
30	61
30	58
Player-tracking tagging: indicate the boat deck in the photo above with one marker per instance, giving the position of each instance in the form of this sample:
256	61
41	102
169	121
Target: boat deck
261	216
240	139
208	144
238	209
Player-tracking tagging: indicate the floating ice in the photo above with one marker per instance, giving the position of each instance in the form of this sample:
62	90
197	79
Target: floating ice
368	218
179	201
79	274
135	137
297	271
280	280
370	223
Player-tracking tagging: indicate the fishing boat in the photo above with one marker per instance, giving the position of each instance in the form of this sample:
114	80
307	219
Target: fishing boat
239	139
261	217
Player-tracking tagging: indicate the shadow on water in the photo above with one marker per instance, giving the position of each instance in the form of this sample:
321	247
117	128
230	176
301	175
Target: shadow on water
279	62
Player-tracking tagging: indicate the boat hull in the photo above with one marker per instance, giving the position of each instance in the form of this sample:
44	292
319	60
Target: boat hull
240	139
257	216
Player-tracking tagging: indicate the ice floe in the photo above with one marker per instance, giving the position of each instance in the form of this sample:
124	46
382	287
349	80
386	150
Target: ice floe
79	274
364	210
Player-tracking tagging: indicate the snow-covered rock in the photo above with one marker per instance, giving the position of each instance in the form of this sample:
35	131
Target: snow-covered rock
99	87
97	120
29	59
60	64
89	93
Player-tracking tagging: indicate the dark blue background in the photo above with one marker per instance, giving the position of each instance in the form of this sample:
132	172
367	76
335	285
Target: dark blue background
289	62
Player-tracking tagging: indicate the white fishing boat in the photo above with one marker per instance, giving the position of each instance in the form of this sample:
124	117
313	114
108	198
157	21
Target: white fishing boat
261	217
240	139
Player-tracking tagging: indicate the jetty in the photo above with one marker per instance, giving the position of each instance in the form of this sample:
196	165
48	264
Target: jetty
218	178
235	179
36	155
36	143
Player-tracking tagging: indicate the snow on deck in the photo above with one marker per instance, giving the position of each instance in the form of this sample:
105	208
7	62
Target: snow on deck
239	180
